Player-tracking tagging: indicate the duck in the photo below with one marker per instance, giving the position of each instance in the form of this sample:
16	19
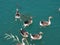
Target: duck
46	23
22	42
24	33
17	15
36	36
28	22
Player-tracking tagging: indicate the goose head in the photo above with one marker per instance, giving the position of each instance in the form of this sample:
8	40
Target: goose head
17	9
17	16
40	33
30	21
21	29
49	20
50	17
17	12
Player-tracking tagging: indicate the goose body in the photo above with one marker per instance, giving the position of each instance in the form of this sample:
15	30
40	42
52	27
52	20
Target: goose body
24	33
46	23
36	36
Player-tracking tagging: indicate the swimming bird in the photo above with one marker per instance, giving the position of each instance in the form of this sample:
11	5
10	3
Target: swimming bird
28	22
17	15
36	36
24	33
46	23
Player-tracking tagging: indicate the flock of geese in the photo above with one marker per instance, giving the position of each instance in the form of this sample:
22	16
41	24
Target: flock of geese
29	22
33	36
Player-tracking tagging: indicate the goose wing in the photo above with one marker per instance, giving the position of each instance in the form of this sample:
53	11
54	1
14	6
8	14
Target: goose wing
44	22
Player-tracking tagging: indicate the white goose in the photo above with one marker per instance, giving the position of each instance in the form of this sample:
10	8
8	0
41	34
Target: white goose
36	36
17	15
28	22
24	33
22	42
46	23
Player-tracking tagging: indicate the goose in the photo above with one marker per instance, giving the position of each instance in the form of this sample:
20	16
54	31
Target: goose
46	23
28	22
36	36
24	33
22	42
17	15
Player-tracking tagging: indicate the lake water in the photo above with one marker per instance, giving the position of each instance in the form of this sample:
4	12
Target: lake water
39	10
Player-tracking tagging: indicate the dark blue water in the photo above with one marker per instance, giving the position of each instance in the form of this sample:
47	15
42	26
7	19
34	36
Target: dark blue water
39	10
